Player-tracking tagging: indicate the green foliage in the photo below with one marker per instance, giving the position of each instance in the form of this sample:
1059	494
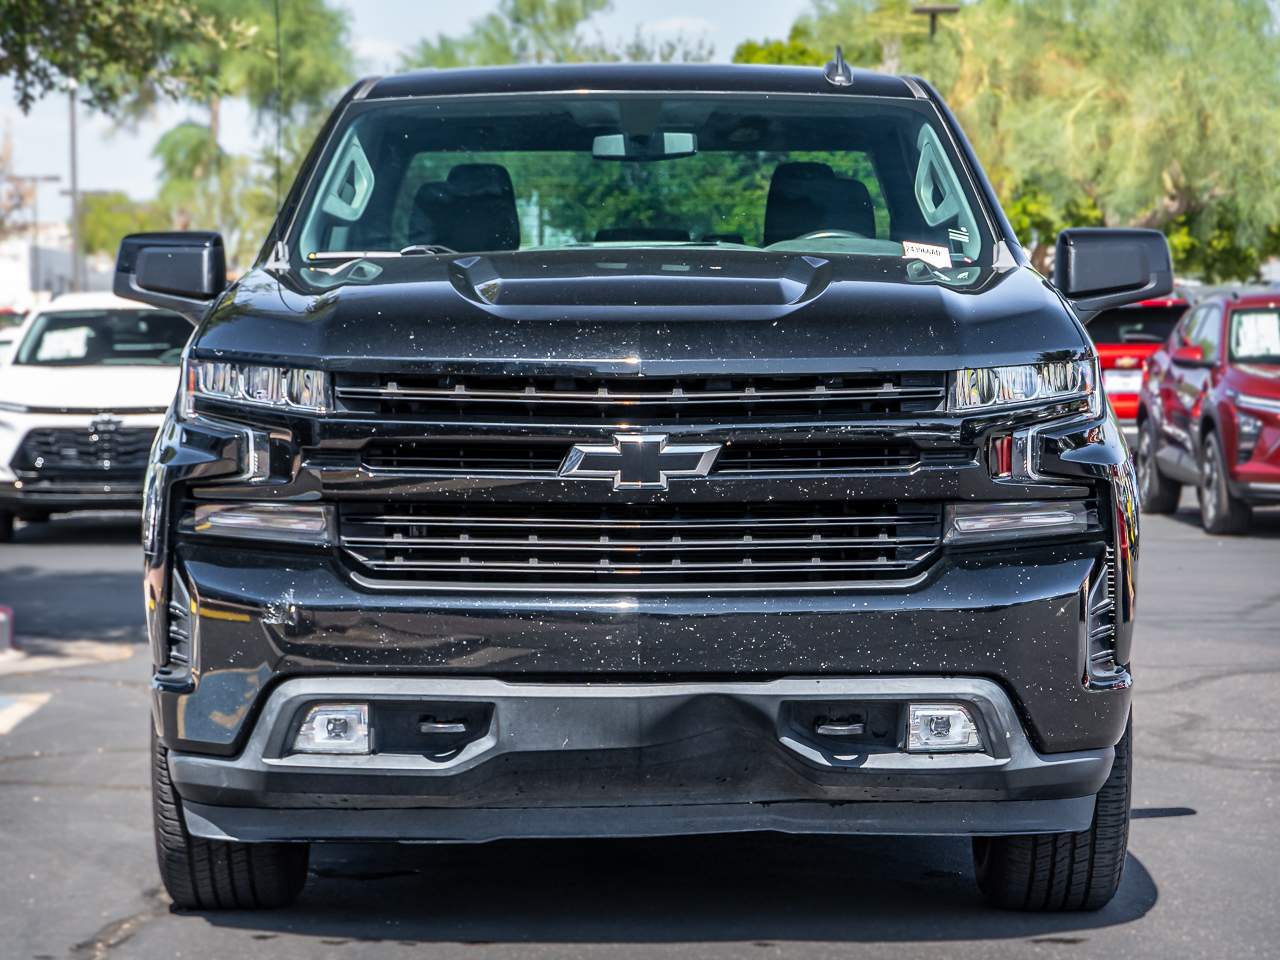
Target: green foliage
111	47
545	31
519	31
106	217
798	50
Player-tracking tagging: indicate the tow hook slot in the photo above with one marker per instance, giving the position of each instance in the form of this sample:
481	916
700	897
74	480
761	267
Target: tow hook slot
865	726
437	729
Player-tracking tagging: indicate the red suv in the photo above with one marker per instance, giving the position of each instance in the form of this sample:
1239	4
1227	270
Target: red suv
1126	337
1209	412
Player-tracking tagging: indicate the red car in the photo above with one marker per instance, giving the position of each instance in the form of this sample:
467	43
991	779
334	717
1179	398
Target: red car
1209	412
1125	338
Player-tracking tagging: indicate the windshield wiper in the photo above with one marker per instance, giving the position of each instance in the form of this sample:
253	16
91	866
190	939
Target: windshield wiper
413	250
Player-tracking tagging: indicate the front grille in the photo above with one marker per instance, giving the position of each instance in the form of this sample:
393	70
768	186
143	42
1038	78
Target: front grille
84	455
640	546
640	399
538	457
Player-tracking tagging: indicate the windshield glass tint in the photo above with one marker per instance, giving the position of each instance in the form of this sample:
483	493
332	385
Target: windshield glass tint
108	337
1135	324
808	174
1255	336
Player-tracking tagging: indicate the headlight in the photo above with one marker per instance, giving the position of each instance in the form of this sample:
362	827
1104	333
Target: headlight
282	388
1266	404
7	406
993	387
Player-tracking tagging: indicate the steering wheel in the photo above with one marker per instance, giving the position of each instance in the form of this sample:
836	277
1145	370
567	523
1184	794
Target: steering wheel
831	233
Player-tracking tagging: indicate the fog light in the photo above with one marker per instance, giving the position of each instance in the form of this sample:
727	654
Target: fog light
978	522
291	522
334	728
936	727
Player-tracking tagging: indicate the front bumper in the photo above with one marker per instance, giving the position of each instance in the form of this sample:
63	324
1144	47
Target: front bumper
85	486
636	760
57	497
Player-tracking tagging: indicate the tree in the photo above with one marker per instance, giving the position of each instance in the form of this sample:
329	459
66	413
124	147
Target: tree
106	217
1160	113
545	31
110	47
203	185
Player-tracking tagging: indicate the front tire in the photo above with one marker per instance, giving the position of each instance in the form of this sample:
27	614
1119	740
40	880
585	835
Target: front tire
1063	871
215	874
1220	512
1157	492
6	526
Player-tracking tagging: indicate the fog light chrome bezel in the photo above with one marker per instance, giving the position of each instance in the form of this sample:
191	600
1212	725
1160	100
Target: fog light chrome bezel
356	715
919	740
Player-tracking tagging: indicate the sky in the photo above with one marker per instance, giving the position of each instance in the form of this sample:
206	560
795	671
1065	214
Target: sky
118	158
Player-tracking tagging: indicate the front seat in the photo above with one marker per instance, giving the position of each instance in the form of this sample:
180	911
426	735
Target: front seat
805	197
473	209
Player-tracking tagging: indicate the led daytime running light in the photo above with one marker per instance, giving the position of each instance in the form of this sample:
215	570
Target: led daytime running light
978	388
286	388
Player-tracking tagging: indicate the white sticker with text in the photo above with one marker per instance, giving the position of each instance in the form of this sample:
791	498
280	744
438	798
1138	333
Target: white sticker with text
937	256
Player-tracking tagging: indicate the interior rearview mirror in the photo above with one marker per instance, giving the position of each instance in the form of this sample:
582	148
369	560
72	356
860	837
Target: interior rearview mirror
181	271
659	145
1097	268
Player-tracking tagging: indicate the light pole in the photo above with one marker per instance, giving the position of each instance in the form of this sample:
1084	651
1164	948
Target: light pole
33	181
933	11
76	273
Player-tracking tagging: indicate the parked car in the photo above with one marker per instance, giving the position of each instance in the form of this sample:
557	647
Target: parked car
1209	413
86	383
10	321
1125	338
634	450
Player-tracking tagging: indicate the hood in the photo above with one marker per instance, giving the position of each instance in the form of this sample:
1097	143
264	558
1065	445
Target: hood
116	389
668	311
1259	379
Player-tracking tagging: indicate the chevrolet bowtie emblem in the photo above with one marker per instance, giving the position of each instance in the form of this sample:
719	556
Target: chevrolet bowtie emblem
638	461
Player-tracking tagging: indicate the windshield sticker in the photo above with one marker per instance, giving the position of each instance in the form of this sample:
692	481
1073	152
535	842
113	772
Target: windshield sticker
1256	334
938	256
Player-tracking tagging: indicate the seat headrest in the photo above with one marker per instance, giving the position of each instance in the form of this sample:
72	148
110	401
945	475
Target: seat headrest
481	180
804	197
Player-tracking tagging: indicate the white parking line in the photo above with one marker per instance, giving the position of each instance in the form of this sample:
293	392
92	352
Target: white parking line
15	708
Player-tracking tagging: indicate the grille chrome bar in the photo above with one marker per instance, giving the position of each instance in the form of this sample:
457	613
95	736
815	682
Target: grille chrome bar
605	396
650	399
624	547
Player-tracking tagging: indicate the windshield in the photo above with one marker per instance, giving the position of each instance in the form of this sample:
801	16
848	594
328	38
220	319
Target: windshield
71	338
824	175
1255	336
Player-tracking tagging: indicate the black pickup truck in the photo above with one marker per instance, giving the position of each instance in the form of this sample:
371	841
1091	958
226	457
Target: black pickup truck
634	451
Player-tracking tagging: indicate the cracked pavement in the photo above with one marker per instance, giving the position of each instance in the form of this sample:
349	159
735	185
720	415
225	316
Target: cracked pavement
79	877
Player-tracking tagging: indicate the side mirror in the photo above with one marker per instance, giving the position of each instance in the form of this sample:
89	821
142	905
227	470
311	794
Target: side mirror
1097	268
182	272
1189	355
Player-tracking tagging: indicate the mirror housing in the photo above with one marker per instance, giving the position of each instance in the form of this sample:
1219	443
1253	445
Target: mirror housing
1189	355
1097	268
180	271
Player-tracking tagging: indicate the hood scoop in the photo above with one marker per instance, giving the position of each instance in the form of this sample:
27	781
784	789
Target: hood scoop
666	278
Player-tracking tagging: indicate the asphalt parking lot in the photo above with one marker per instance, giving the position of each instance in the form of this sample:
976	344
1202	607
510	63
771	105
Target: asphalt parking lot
78	880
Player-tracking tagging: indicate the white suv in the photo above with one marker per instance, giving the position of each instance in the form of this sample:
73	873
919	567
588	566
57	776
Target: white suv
82	390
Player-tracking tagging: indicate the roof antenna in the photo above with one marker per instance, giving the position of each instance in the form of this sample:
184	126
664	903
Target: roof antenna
837	71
